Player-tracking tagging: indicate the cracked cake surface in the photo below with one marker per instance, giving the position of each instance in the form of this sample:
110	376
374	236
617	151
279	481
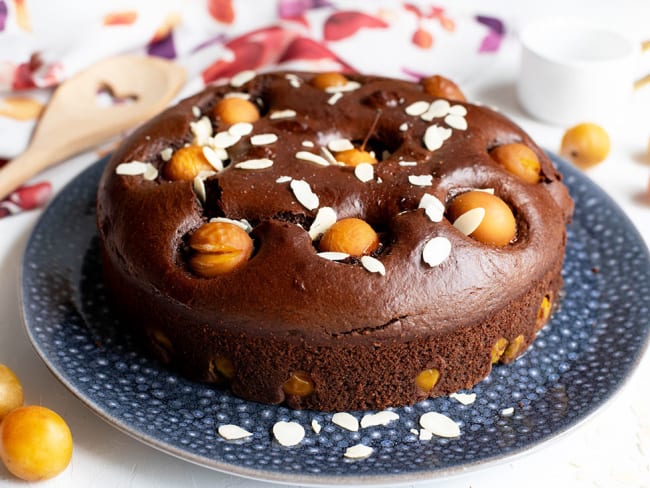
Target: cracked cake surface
300	313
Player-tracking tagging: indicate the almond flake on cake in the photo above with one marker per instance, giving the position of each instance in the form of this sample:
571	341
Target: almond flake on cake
470	220
312	158
202	130
338	145
166	154
198	184
255	164
294	80
373	265
364	172
304	194
240	129
212	157
346	420
421	180
456	121
243	223
407	163
334	98
439	424
433	207
417	108
348	87
263	139
242	95
333	255
232	432
196	111
242	78
435	136
132	168
288	434
282	114
436	250
225	139
283	179
325	218
437	109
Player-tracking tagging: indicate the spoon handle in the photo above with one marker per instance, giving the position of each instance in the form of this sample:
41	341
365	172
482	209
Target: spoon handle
22	168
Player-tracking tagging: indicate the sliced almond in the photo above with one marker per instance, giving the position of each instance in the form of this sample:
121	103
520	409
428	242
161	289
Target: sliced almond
440	425
373	265
225	139
470	220
433	207
456	121
240	129
358	451
364	172
338	145
421	180
312	158
417	108
242	78
333	255
380	418
315	426
255	164
435	136
288	433
232	432
464	398
263	139
202	130
346	420
132	168
303	193
325	218
282	114
213	158
166	154
437	109
436	251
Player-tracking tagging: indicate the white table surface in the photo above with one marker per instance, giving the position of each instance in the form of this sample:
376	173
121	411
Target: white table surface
610	449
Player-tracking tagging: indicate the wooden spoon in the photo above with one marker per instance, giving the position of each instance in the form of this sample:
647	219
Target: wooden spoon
74	121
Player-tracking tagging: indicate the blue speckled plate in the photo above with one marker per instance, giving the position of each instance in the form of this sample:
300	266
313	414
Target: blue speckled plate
578	362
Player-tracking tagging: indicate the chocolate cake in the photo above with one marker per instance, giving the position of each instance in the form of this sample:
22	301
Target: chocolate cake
333	242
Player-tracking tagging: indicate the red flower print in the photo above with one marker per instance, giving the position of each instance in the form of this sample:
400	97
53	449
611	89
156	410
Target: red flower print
120	18
251	51
308	49
221	11
345	24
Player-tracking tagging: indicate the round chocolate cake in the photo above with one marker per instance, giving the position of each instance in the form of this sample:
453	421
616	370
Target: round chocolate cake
330	241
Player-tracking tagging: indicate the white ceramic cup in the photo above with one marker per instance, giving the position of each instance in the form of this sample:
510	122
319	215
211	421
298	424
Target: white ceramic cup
573	71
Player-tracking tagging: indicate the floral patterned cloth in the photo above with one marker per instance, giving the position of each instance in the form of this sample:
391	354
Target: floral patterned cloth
42	43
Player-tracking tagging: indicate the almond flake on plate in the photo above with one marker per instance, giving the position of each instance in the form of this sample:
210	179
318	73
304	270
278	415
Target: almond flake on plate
255	164
333	255
282	114
288	433
433	207
421	180
213	158
303	193
417	108
132	168
242	78
325	218
232	432
364	172
346	420
470	220
315	426
436	251
166	154
425	435
240	129
373	265
507	412
312	158
439	424
435	136
283	179
358	451
380	418
202	130
338	145
456	121
263	139
414	431
464	398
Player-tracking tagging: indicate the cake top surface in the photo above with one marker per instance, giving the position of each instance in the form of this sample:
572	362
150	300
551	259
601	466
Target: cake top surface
281	176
